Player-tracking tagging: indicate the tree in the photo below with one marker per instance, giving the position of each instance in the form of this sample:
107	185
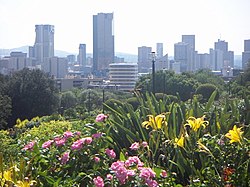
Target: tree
5	110
206	91
68	100
33	93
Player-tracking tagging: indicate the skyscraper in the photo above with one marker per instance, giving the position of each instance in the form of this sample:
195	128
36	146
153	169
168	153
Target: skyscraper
228	56
190	39
183	54
44	43
144	59
103	42
246	54
159	50
82	55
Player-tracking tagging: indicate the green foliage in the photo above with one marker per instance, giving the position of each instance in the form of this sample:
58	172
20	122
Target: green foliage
206	90
32	93
5	110
134	102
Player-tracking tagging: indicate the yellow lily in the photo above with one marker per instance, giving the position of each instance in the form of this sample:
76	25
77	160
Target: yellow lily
26	183
180	141
155	122
235	135
7	175
196	123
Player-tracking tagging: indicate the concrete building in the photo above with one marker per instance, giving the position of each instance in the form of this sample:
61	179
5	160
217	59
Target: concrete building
228	56
103	43
82	55
123	75
183	54
144	59
162	63
216	59
56	67
159	50
18	61
190	39
246	54
44	43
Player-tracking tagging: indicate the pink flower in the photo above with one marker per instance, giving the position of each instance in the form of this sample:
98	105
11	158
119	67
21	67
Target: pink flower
109	176
65	158
101	117
152	183
97	135
96	159
78	133
147	173
116	165
60	141
47	144
144	144
134	146
133	160
77	145
110	153
68	134
131	173
29	146
87	140
163	174
98	181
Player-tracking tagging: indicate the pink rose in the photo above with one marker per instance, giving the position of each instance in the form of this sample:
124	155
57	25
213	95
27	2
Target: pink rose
68	134
96	159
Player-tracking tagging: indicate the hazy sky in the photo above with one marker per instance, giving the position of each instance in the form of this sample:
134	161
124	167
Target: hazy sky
136	22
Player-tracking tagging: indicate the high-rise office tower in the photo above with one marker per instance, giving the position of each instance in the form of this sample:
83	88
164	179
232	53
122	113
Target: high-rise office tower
190	39
159	50
82	55
144	59
246	54
228	56
44	43
183	55
103	42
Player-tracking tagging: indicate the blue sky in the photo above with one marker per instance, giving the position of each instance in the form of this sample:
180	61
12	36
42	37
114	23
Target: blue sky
136	22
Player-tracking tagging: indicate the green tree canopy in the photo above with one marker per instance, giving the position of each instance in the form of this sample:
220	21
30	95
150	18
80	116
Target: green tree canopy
33	93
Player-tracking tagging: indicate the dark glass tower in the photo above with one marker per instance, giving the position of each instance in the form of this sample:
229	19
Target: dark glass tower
103	43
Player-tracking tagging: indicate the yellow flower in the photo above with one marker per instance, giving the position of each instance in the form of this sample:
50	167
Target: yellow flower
180	141
155	122
26	183
235	135
7	175
196	123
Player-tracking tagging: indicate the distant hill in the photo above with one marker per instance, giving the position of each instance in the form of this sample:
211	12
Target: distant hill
25	49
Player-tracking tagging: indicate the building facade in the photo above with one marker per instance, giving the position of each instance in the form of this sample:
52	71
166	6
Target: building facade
103	42
123	75
246	54
44	43
82	55
144	59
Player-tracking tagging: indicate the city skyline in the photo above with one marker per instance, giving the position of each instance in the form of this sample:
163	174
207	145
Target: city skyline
136	23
